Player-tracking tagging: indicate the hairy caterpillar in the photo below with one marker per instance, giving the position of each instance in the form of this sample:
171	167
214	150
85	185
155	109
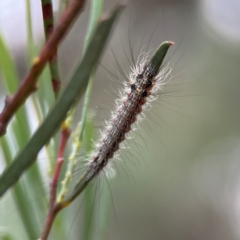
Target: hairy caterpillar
144	79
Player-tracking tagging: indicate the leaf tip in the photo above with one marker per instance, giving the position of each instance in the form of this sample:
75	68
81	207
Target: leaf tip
159	55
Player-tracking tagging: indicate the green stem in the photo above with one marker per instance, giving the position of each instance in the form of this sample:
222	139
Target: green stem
29	31
95	13
89	206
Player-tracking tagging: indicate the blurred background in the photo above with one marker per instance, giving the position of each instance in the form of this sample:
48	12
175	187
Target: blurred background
181	177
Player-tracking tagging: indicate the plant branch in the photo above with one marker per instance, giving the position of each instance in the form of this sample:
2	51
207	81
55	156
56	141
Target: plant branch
53	210
49	221
29	84
48	20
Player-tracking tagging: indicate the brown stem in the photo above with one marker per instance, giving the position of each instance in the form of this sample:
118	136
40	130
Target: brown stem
48	20
54	208
49	221
29	84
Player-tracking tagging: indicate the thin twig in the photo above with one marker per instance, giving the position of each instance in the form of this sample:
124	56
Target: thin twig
29	84
53	207
48	20
49	221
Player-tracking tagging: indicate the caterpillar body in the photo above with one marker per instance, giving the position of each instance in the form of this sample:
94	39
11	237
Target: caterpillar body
144	79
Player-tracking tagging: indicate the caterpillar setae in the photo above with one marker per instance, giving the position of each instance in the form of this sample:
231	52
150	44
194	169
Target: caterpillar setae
145	78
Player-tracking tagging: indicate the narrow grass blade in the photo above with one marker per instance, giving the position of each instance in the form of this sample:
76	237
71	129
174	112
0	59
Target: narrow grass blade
75	88
21	133
19	197
7	69
89	209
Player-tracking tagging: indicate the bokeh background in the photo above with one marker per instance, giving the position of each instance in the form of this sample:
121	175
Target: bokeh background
180	179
